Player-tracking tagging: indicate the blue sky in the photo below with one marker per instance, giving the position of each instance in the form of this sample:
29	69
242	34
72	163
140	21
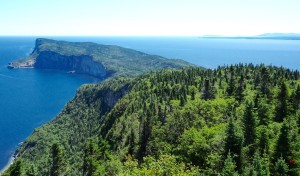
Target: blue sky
148	17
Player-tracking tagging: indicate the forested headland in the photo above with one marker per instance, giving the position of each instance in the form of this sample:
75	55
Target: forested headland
233	120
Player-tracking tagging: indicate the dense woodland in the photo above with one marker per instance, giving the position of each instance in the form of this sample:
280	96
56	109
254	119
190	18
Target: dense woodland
233	120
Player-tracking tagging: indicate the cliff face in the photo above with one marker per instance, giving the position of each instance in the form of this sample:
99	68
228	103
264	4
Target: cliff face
95	100
83	64
93	59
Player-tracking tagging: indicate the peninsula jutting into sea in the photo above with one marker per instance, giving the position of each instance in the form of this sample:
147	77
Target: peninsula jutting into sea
93	59
140	88
156	115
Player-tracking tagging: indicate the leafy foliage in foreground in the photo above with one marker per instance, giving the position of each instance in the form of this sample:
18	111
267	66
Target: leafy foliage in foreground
236	120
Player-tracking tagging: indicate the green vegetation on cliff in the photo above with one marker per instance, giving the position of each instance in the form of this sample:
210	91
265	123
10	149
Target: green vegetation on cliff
236	120
93	59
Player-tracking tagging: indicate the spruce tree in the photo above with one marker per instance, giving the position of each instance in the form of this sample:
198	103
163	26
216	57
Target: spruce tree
283	146
239	91
296	98
58	164
182	101
16	169
264	144
193	95
261	165
249	124
231	86
281	168
263	112
229	167
94	154
144	138
265	82
233	143
30	171
282	107
207	92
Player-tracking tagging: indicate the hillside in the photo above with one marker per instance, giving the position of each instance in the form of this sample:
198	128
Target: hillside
241	119
93	59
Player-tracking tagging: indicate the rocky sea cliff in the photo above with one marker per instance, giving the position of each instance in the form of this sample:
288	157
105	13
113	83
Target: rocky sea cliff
92	59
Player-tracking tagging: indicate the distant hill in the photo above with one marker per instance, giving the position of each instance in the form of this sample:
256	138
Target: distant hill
93	59
271	36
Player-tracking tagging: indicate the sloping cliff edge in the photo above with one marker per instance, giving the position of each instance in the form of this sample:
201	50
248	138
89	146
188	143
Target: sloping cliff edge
92	59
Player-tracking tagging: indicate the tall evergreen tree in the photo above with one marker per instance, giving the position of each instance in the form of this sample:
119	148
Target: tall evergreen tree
249	124
16	169
30	171
182	101
261	165
144	138
282	107
239	91
58	164
233	143
281	168
296	98
263	112
265	82
283	146
264	143
231	85
229	167
207	92
96	151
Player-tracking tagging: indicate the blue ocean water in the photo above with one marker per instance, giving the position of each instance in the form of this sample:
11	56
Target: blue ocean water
210	53
31	97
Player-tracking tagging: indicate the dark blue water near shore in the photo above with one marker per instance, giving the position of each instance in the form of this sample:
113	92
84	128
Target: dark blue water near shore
31	97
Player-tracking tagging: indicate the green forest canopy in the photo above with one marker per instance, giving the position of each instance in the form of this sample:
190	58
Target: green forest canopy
233	120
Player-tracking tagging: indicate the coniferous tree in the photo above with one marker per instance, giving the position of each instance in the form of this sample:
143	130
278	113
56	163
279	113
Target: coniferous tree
296	98
192	95
58	163
239	91
233	143
282	107
207	92
144	138
229	167
263	112
231	85
249	124
131	147
264	141
16	168
182	101
260	165
265	82
281	168
283	147
88	158
30	171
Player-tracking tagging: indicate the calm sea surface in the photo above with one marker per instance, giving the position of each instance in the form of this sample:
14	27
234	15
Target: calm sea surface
31	97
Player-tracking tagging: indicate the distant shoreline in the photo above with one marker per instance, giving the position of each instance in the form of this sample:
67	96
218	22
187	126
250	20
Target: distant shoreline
251	38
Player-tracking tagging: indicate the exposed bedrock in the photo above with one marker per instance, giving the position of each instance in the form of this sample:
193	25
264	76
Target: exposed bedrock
82	64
